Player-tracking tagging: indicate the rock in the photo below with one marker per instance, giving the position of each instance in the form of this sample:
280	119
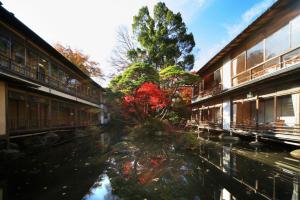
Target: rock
296	153
79	133
158	133
231	138
256	144
10	154
13	146
51	138
34	141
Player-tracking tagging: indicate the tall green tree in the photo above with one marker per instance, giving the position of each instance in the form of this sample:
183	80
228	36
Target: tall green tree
163	38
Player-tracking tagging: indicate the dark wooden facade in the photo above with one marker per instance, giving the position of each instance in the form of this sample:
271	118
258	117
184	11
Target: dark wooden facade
40	89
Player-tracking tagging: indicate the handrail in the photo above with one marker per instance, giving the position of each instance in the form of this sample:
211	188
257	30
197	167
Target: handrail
32	74
274	127
211	91
250	75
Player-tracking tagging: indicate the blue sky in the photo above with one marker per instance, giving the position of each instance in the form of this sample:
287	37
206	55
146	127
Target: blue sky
91	25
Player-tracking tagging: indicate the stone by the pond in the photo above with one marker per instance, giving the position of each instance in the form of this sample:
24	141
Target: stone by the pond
256	144
296	153
51	138
10	154
13	145
231	138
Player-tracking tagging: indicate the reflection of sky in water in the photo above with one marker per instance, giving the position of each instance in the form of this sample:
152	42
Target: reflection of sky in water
101	190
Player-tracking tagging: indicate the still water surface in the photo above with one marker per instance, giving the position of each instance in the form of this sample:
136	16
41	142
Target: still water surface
152	169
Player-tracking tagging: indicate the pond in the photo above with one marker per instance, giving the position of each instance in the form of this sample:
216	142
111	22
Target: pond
152	168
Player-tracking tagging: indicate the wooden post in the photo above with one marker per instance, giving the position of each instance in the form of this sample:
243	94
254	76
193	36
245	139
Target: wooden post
49	121
275	108
4	111
257	110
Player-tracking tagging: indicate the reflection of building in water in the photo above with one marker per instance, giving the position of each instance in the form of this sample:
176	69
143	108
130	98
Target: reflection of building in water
226	195
278	181
2	190
296	191
229	161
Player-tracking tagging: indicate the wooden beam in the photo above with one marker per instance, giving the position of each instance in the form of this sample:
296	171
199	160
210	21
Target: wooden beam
275	108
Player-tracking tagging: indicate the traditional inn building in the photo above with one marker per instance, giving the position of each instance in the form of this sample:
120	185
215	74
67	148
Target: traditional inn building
40	90
252	86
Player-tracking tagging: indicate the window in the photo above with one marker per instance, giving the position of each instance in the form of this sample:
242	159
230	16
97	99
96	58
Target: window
18	53
295	29
217	76
4	46
278	42
43	69
287	109
238	64
32	59
54	71
196	90
255	55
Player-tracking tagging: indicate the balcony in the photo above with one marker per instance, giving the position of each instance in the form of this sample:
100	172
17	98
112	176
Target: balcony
273	130
285	60
9	66
216	89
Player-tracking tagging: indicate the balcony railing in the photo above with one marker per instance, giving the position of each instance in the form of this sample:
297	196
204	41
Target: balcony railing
205	124
42	78
277	127
217	89
16	125
274	64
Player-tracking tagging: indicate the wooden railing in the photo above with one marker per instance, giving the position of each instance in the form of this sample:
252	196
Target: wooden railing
205	124
29	73
217	89
16	125
278	127
274	64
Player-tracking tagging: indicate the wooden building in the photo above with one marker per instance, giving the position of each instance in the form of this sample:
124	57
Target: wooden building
252	85
40	90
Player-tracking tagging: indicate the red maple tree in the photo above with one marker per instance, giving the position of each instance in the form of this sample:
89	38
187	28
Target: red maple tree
146	101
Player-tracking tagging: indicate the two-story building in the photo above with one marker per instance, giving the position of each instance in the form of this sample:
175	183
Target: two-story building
40	90
252	86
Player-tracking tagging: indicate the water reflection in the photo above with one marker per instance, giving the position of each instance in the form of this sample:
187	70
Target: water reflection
159	170
101	190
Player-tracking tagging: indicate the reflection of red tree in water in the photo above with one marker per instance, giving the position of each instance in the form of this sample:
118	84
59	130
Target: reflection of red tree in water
127	168
154	163
147	173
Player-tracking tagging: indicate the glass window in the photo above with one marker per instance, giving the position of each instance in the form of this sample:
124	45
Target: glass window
62	76
238	64
18	53
217	76
4	46
296	32
196	90
43	69
54	71
291	58
285	107
278	42
255	55
32	59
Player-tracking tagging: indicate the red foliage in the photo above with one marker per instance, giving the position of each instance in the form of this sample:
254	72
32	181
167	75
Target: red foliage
186	94
146	100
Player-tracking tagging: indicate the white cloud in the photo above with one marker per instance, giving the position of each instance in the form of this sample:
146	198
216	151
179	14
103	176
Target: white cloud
232	31
88	25
249	16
